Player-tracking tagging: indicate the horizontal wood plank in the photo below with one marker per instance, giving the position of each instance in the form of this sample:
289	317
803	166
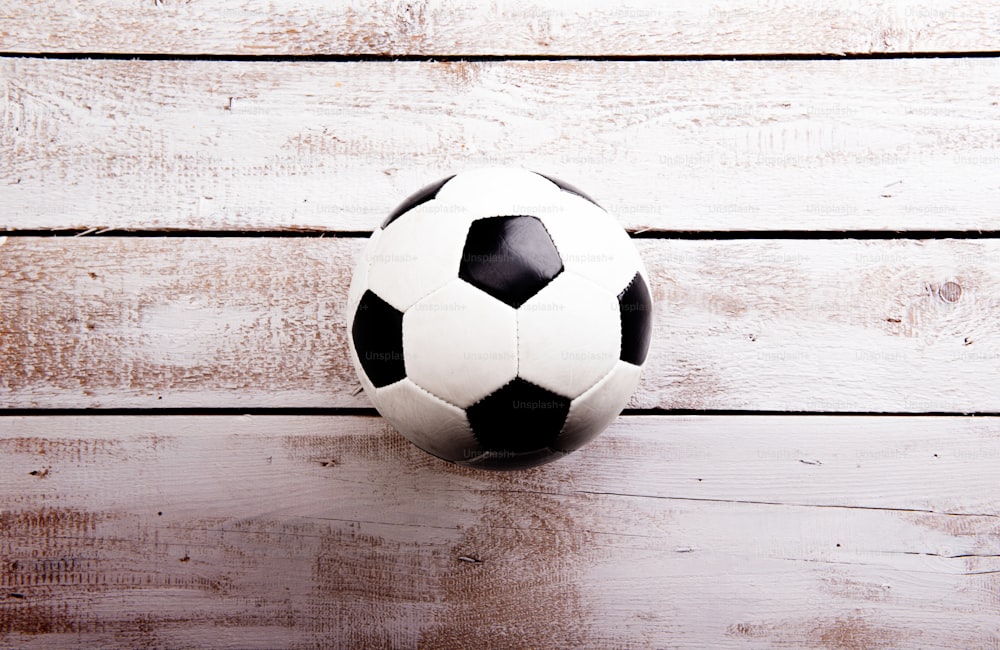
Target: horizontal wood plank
723	532
783	325
704	145
504	27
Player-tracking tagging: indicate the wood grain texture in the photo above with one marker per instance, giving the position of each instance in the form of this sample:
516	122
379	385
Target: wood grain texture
464	27
741	532
783	325
705	145
296	532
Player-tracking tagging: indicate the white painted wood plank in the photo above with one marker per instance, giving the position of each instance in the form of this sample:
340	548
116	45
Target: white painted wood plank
690	531
708	145
782	325
540	27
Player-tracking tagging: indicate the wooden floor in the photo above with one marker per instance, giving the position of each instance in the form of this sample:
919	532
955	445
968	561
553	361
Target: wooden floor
810	460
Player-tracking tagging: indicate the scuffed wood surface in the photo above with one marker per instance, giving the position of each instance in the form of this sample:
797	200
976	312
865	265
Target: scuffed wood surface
784	325
464	27
723	532
306	532
708	145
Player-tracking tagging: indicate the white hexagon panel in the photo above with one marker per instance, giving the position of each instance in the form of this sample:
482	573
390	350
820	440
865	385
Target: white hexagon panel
568	335
592	243
595	409
460	343
418	253
432	424
488	192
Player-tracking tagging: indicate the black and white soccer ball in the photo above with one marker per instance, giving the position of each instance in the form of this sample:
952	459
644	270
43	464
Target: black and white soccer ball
499	318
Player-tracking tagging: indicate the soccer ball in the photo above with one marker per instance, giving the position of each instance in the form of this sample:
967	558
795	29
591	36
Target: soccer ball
499	318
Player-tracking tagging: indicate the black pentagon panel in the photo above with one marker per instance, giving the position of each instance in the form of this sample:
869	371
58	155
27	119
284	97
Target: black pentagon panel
517	425
511	258
566	187
636	309
422	195
378	339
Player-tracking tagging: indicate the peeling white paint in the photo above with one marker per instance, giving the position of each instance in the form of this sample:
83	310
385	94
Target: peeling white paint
799	144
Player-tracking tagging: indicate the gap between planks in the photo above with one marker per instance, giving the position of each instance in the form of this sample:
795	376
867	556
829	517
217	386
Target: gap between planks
650	233
336	411
500	58
536	28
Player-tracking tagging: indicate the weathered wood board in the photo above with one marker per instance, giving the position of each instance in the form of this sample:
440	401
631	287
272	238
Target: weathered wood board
166	529
729	532
773	325
706	145
499	27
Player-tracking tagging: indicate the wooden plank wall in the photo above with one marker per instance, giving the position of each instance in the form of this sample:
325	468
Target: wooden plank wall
809	461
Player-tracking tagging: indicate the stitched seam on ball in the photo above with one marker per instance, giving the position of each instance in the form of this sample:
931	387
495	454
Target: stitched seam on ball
621	334
478	401
464	413
603	377
621	331
435	395
570	192
621	328
406	372
432	292
562	269
562	264
629	285
450	280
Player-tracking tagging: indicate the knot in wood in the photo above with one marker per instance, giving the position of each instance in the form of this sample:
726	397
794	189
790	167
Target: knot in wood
950	292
